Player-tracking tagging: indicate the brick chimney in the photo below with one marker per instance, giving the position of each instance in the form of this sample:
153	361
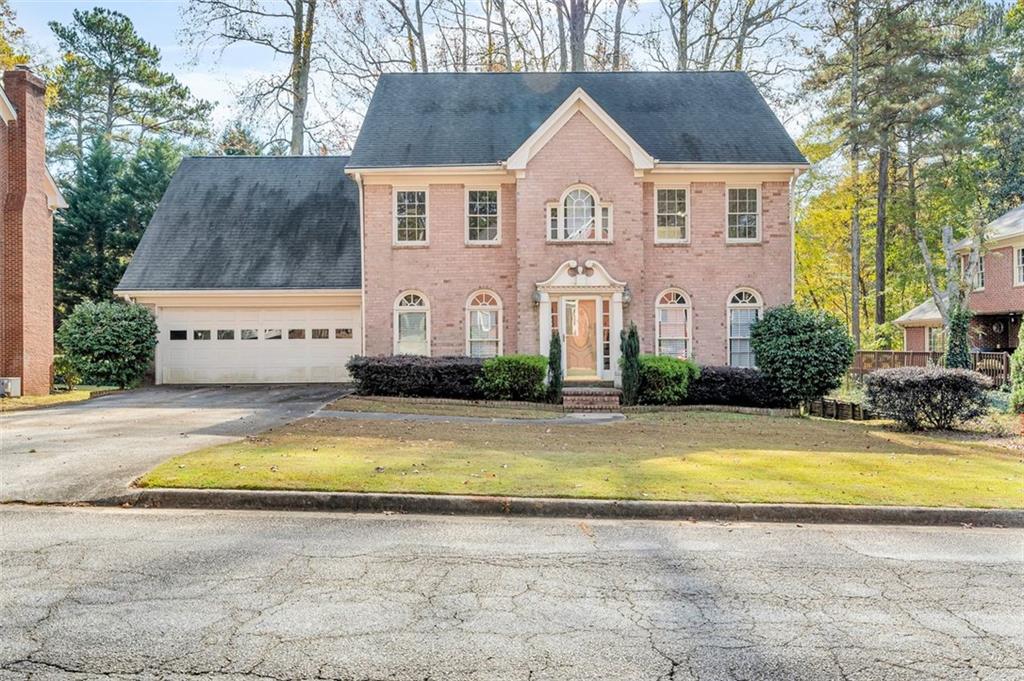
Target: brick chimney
26	241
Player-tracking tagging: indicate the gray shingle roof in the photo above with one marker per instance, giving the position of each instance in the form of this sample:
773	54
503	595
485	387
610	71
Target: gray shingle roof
440	119
252	223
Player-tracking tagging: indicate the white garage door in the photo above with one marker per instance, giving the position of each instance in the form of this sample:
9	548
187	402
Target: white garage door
256	345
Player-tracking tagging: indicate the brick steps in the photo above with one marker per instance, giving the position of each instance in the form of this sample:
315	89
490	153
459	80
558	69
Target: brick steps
587	398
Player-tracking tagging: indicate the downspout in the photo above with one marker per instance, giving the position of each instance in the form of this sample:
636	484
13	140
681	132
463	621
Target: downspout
362	268
792	235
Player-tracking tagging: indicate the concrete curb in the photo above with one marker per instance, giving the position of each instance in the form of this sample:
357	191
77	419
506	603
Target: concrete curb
563	508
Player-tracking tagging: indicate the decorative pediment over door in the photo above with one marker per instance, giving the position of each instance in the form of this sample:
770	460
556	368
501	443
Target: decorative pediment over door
574	277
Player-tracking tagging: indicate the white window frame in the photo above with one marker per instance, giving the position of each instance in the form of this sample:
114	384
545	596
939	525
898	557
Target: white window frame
729	307
496	241
398	310
500	318
659	306
1018	266
599	208
759	227
686	218
928	338
394	217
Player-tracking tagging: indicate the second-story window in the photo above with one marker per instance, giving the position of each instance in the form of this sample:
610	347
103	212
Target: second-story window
742	213
411	216
482	215
579	217
670	216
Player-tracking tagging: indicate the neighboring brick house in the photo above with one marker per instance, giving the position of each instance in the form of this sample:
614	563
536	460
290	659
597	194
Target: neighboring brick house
997	301
493	210
29	198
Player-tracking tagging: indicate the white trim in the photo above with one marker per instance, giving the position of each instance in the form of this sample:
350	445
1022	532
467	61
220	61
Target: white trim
488	169
928	337
7	110
252	292
570	278
760	226
688	306
474	242
54	197
729	307
654	213
362	262
245	298
394	217
397	310
664	167
579	101
1017	269
499	308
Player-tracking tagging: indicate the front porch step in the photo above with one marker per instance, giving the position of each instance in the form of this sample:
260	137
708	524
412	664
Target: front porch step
588	398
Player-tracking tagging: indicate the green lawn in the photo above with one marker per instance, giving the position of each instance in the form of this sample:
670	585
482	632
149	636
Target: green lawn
411	405
82	392
683	456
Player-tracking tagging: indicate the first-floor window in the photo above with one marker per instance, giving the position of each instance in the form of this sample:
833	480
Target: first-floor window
412	325
483	331
672	322
936	339
744	309
1018	266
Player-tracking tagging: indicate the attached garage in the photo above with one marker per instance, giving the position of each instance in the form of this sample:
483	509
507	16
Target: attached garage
252	269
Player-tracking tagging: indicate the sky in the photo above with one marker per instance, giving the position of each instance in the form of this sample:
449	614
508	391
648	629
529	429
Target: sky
211	77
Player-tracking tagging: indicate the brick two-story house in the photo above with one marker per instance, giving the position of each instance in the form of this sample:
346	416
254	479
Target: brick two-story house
28	197
997	299
477	215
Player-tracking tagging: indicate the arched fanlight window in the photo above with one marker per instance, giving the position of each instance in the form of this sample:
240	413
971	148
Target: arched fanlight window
672	324
483	325
579	216
412	324
743	310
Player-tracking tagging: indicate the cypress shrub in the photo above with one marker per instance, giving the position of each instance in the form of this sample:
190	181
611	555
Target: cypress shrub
555	378
630	364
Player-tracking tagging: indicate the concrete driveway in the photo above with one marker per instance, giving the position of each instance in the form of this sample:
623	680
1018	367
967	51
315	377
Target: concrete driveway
93	450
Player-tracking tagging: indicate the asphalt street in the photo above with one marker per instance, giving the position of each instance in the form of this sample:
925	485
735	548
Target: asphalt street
88	593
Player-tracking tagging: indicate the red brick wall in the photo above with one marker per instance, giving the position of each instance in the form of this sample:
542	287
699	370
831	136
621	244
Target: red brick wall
26	336
999	295
447	270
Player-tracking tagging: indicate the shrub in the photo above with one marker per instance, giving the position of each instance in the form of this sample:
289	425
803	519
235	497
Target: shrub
958	347
515	377
109	343
927	398
65	372
665	380
630	364
1017	375
736	387
805	352
555	378
416	376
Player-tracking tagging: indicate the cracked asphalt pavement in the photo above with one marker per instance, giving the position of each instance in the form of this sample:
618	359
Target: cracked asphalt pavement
131	593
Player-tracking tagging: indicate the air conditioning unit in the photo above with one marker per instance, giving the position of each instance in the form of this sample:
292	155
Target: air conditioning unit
10	387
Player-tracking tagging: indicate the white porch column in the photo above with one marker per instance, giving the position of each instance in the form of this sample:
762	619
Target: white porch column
616	330
544	309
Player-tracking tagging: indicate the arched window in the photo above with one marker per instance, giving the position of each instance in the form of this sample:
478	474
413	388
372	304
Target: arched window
412	324
579	216
483	325
743	310
672	324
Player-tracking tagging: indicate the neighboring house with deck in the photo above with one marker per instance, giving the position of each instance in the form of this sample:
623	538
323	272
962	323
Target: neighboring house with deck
997	299
477	215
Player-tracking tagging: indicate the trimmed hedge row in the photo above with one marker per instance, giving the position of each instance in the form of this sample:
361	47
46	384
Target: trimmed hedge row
416	376
736	387
508	377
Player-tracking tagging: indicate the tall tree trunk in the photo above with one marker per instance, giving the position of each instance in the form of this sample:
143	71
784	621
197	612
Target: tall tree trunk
563	54
577	34
617	36
683	44
880	228
854	125
506	43
302	45
741	39
421	38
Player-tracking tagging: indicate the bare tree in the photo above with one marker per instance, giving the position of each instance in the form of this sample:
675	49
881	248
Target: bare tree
287	28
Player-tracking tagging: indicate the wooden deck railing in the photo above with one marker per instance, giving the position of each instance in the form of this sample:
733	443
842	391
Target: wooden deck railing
995	365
